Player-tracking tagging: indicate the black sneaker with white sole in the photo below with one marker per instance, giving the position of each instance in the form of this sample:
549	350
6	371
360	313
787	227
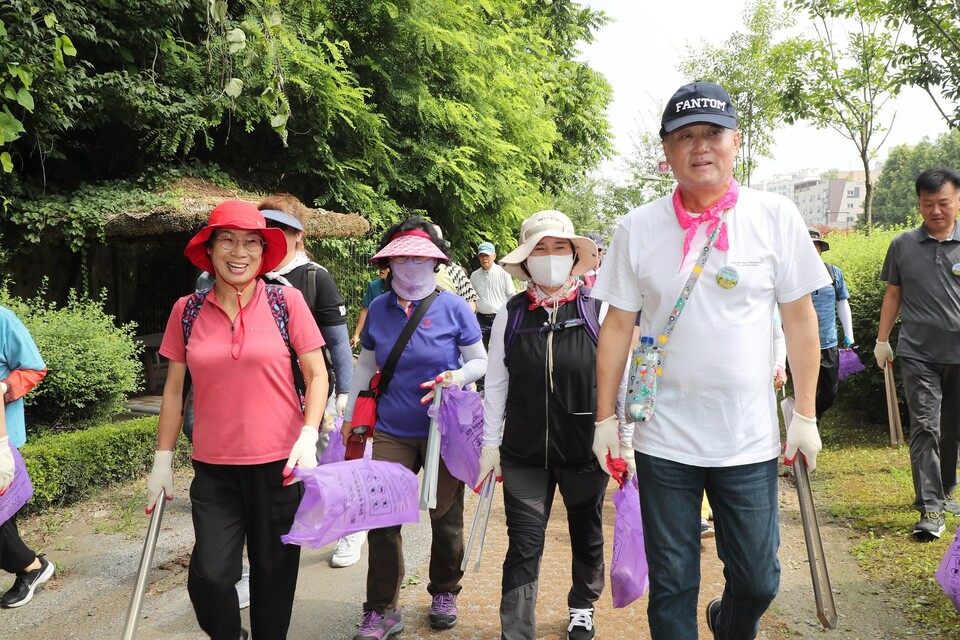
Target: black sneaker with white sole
581	624
930	526
26	583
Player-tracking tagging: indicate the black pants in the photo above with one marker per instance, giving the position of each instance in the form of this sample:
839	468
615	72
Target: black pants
829	379
486	323
14	554
232	503
527	499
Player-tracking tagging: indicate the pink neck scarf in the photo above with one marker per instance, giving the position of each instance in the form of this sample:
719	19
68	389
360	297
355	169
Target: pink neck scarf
711	215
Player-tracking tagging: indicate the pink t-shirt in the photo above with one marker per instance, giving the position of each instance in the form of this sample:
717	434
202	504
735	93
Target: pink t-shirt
245	405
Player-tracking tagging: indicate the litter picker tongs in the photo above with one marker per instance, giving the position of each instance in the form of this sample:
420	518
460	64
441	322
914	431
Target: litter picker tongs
893	407
143	574
431	463
822	591
483	507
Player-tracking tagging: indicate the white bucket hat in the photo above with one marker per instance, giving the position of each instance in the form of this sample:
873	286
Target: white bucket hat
549	224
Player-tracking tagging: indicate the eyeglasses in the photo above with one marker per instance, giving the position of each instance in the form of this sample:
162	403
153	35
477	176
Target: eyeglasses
252	244
416	259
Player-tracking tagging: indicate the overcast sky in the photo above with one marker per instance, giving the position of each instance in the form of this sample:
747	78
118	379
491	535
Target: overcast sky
639	53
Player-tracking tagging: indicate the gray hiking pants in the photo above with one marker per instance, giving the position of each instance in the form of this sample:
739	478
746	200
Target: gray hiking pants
527	499
933	398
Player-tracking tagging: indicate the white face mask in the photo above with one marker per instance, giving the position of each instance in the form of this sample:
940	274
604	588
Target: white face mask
550	271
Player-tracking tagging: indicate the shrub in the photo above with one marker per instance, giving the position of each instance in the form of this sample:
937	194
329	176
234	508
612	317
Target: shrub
860	257
68	467
92	365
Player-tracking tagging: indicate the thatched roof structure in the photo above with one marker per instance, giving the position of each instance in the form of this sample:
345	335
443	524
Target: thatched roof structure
190	203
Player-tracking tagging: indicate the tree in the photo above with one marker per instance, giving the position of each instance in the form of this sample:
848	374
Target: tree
473	113
847	87
895	199
754	70
931	58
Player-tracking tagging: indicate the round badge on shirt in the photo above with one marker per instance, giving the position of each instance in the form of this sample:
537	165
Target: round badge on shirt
956	269
727	277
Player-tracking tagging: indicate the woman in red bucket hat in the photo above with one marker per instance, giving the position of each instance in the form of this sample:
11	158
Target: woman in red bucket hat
250	428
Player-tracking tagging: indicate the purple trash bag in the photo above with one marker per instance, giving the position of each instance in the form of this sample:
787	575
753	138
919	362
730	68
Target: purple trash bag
629	573
335	449
849	362
351	496
460	421
20	491
948	575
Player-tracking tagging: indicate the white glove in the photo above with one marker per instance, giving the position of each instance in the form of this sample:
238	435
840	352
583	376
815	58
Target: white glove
161	477
779	377
447	378
303	454
341	403
327	425
606	439
802	435
882	352
6	464
489	461
627	454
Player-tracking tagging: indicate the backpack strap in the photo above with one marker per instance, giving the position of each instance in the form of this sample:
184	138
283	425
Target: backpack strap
587	309
190	312
310	284
832	272
281	316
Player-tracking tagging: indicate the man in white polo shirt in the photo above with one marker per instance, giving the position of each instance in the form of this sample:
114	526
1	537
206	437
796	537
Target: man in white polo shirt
715	428
494	287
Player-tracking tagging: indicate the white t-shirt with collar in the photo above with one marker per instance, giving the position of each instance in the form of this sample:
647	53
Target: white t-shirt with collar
715	404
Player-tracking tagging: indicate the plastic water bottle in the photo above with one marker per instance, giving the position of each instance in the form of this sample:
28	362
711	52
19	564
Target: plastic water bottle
642	382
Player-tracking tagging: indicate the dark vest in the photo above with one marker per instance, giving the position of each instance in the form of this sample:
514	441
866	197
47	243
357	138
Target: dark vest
545	428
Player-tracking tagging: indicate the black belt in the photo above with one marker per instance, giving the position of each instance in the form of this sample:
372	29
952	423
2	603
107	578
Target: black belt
487	315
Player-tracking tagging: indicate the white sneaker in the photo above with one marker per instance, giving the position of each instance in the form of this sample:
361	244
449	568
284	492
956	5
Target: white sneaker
348	549
243	590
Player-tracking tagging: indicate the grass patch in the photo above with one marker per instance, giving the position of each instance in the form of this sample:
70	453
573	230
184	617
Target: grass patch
867	485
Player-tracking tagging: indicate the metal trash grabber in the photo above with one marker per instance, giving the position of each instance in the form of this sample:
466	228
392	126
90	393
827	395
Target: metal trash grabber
822	590
431	463
893	406
483	506
143	574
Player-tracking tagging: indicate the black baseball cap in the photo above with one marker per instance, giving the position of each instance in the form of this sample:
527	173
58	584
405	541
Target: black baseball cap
698	102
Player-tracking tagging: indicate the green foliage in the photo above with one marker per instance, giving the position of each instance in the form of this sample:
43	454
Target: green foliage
80	216
92	365
845	79
69	467
754	69
896	196
860	257
866	485
471	112
930	58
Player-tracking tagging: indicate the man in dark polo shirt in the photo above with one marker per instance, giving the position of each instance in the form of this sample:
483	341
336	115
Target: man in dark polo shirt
922	271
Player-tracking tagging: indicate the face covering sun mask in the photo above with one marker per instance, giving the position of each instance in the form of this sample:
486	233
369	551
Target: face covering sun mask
550	271
413	281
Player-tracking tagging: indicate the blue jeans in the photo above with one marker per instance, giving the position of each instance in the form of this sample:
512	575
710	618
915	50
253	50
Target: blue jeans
744	503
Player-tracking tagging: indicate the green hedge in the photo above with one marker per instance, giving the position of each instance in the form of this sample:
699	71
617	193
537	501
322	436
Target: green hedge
860	257
68	467
93	366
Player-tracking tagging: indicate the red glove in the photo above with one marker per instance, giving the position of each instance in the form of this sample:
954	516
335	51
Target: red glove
618	469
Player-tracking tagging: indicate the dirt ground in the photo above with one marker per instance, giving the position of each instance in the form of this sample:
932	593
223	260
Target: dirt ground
92	541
